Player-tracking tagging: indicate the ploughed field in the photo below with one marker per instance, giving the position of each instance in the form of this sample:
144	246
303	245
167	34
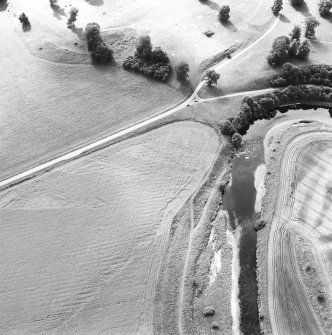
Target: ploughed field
300	244
81	246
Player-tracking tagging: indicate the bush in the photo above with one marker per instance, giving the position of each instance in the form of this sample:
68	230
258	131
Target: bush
24	19
182	71
144	47
295	33
236	140
224	13
311	24
227	128
72	17
101	53
259	224
324	7
277	7
211	77
208	311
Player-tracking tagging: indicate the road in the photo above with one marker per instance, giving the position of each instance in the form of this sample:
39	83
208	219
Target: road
193	99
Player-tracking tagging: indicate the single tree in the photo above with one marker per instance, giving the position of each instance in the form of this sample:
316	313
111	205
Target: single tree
182	70
277	7
324	7
236	140
279	52
296	3
72	17
24	19
92	33
295	34
303	50
224	13
211	77
311	24
144	47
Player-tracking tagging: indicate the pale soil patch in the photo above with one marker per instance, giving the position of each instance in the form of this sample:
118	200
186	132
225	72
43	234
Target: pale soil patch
259	185
300	205
82	245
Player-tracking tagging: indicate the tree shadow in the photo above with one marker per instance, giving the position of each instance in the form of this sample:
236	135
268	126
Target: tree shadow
95	2
319	45
58	12
211	4
78	31
3	5
283	18
230	26
328	17
303	9
26	27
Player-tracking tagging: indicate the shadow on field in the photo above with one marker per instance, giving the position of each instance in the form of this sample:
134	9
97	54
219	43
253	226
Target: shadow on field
303	9
230	26
78	31
328	17
26	27
3	5
283	18
211	4
58	12
319	45
95	2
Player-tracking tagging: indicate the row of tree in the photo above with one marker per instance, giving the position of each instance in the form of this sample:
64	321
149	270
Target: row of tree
267	105
312	74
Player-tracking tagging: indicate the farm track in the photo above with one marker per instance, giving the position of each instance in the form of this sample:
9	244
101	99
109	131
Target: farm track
289	301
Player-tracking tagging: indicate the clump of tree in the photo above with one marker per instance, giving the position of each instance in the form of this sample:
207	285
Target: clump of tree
182	71
24	19
285	47
277	7
211	77
296	3
224	14
310	23
100	52
312	74
324	8
72	17
151	62
53	3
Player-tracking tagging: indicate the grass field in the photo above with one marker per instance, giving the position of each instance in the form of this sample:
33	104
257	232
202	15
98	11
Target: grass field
82	245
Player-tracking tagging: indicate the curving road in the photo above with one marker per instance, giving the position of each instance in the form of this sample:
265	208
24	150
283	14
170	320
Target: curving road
193	99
